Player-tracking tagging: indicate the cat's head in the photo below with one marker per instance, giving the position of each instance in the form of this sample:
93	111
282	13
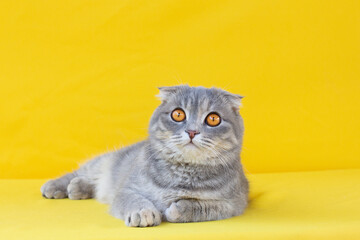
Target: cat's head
196	124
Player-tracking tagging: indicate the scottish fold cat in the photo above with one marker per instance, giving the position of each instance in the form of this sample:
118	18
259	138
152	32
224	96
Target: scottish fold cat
188	170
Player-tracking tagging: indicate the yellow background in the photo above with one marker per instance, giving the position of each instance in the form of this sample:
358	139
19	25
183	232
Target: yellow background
78	78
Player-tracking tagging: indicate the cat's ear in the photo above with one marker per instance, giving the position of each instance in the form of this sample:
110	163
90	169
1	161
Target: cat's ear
166	92
235	101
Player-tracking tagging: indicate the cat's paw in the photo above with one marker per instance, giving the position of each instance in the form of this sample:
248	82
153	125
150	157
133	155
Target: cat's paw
53	189
178	211
143	218
79	188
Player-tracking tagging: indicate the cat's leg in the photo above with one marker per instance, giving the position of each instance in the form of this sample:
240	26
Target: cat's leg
192	210
80	188
75	185
57	188
70	185
134	209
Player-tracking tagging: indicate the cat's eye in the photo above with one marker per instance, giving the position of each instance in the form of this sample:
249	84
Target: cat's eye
178	115
213	119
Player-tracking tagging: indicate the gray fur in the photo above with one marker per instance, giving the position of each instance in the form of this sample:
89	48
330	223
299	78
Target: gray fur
165	177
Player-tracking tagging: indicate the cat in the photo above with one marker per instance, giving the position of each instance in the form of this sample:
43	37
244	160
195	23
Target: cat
188	170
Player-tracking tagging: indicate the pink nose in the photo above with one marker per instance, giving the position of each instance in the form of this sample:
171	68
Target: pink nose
192	133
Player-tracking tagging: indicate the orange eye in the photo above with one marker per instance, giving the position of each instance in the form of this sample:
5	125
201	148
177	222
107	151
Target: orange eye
178	115
213	119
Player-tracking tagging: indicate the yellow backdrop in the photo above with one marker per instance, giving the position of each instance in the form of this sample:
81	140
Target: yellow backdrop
78	78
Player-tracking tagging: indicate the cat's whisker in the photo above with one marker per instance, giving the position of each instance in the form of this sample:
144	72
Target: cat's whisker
154	177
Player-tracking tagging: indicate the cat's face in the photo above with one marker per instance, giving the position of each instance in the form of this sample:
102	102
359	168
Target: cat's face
194	124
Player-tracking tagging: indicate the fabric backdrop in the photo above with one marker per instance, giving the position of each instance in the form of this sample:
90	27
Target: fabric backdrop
78	78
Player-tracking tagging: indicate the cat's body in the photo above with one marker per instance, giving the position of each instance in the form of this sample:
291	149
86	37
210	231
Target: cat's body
174	175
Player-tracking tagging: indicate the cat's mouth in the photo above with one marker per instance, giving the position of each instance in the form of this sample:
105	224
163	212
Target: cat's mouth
191	144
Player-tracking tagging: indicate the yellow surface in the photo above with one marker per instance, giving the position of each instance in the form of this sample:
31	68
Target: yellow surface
302	205
78	78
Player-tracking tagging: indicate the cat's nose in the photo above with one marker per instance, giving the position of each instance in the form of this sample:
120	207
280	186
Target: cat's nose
192	133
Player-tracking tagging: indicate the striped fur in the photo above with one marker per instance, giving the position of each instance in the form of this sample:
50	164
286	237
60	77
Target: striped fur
163	178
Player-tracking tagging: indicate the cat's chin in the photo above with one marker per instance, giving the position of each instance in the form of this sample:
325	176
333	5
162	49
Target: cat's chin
191	150
191	145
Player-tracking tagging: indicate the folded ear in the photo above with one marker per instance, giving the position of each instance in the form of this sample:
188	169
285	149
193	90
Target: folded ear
234	100
166	92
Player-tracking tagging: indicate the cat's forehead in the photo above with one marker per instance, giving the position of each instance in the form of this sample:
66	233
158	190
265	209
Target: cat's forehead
198	97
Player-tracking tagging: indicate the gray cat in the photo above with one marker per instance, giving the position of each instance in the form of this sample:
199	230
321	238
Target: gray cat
188	170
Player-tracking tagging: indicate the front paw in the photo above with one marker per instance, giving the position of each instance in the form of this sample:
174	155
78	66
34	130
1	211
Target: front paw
179	211
143	218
